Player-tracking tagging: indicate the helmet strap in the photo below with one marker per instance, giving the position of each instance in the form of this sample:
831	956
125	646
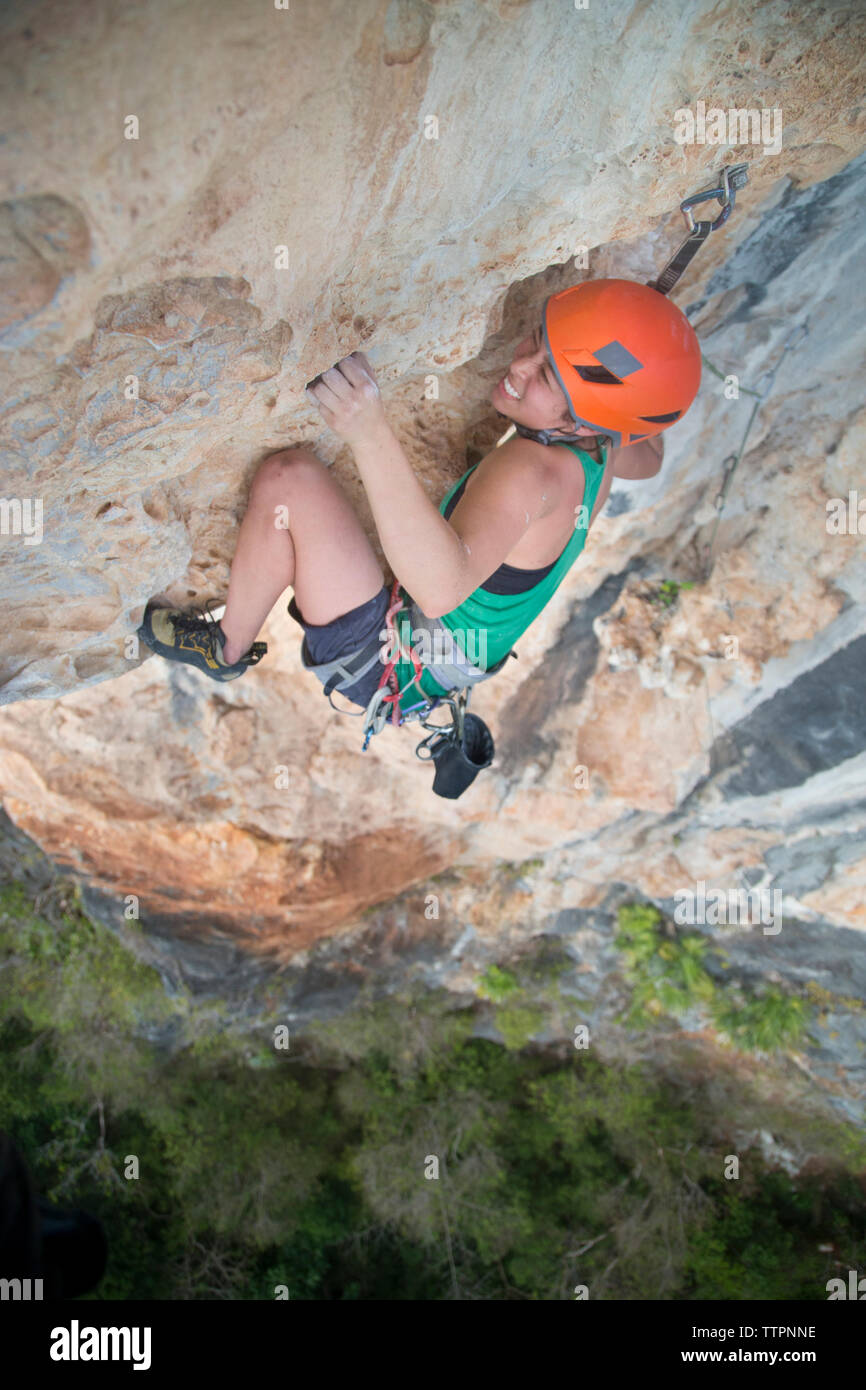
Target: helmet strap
549	437
540	436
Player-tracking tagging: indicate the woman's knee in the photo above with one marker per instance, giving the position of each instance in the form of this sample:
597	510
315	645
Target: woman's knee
286	469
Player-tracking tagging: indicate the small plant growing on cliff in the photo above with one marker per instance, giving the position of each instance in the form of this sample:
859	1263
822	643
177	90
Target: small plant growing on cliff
668	976
542	965
683	981
497	985
668	591
638	932
517	1023
667	972
767	1022
514	871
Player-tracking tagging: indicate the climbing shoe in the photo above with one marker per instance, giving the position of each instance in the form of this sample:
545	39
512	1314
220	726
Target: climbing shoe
196	638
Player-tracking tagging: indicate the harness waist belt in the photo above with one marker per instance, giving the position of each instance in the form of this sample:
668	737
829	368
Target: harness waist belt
447	663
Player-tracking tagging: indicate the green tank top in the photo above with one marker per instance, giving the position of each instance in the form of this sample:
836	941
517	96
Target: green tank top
486	626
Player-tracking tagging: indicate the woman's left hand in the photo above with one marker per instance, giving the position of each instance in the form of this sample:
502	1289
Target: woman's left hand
348	398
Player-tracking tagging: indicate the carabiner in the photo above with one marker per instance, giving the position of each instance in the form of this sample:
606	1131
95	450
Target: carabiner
460	713
440	733
375	715
431	743
733	177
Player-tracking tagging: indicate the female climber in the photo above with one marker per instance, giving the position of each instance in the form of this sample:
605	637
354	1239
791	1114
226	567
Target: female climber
611	364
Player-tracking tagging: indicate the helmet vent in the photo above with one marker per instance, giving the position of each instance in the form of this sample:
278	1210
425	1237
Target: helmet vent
661	419
600	376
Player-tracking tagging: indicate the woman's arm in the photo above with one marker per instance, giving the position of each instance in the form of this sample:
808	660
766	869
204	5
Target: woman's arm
635	461
423	551
441	562
641	460
436	563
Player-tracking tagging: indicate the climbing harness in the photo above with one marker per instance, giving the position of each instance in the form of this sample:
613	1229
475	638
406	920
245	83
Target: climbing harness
459	751
732	178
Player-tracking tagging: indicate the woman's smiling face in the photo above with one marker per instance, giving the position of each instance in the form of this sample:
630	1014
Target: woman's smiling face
538	401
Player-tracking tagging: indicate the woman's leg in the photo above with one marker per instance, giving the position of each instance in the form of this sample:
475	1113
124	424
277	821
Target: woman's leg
300	530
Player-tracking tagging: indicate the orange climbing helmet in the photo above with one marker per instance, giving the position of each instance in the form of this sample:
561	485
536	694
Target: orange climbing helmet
627	359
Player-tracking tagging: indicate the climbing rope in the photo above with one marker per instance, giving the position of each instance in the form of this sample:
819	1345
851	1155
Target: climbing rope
731	463
388	694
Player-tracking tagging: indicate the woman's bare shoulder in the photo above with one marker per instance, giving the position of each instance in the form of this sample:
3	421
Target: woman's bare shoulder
514	459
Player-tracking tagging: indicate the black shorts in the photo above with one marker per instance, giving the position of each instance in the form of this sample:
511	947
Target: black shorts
343	636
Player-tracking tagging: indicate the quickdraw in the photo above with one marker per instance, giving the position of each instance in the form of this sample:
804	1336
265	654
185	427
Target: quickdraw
732	178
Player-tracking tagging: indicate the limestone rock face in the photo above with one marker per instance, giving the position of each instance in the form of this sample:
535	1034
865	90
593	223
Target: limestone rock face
202	207
42	240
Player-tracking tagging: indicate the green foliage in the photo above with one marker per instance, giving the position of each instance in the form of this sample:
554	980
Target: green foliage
531	866
393	1155
512	871
407	1029
668	976
517	1023
667	972
497	984
668	591
765	1243
766	1022
540	966
638	931
522	995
